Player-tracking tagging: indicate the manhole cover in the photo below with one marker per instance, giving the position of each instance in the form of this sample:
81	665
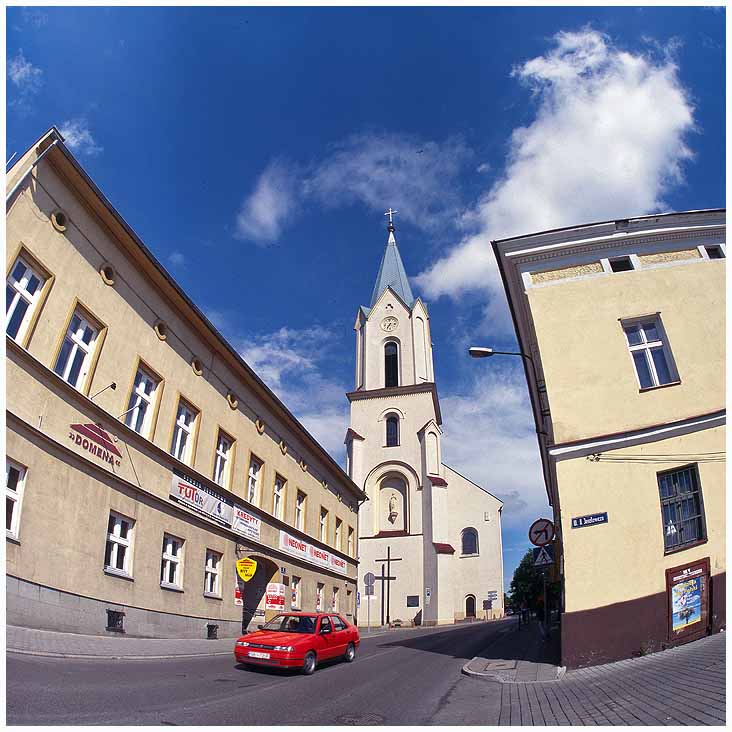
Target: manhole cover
359	720
500	665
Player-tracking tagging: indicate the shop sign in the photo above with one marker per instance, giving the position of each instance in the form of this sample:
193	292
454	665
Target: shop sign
96	441
238	600
246	568
245	523
190	492
275	597
592	520
312	554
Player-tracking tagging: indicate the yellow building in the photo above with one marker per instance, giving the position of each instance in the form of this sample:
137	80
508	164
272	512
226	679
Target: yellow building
624	324
144	456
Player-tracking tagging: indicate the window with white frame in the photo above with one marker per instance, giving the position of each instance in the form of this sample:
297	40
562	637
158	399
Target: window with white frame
211	573
334	601
621	264
650	352
296	583
22	292
77	350
278	498
171	566
118	550
714	251
319	596
323	531
350	541
185	421
338	534
140	408
14	483
222	461
253	478
300	511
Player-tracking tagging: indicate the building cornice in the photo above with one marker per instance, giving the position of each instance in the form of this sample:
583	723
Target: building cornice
397	391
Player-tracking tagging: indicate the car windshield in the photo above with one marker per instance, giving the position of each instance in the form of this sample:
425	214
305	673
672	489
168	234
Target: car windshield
291	624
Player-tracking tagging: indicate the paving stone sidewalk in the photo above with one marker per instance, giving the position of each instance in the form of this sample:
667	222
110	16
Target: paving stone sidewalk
681	686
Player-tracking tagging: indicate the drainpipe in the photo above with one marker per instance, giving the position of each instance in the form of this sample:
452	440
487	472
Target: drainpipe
25	175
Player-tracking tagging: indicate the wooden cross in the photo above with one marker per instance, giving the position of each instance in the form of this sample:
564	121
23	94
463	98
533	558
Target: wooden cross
388	579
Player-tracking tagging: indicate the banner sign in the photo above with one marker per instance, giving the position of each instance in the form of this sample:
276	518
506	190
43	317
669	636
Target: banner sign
312	554
190	492
245	522
238	600
275	597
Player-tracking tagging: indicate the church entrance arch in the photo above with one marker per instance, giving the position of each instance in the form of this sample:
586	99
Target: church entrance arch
470	606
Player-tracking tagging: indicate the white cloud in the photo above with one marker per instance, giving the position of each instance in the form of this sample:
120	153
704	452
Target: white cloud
79	138
26	79
607	141
272	203
177	259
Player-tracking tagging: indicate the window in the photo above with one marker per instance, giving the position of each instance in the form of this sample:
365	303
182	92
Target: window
350	542
323	530
222	460
469	541
338	534
300	511
651	356
412	600
391	364
682	508
334	607
185	420
14	482
75	357
714	252
338	623
255	470
22	293
118	552
296	592
392	431
211	574
278	498
319	596
325	624
621	264
171	570
140	408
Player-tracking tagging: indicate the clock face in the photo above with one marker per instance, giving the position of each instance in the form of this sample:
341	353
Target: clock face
389	324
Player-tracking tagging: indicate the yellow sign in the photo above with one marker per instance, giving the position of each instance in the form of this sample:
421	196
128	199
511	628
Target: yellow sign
246	568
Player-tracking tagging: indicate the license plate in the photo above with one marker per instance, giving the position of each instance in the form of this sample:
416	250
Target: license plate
256	654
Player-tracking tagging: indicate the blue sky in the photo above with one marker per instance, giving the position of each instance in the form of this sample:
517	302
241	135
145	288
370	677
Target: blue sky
255	149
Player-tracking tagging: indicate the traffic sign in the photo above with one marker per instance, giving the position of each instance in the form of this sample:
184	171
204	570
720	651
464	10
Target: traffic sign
544	556
369	578
492	594
541	532
368	590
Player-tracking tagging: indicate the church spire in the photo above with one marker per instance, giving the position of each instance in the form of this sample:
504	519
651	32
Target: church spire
391	272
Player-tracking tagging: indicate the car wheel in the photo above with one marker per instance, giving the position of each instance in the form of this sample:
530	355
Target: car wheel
309	664
350	653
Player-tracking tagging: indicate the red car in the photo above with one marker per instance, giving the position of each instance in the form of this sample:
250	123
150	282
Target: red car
300	641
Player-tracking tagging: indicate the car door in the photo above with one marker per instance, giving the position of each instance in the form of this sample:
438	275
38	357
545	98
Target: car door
326	639
340	634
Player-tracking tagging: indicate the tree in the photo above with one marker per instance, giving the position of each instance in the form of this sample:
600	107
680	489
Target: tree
527	585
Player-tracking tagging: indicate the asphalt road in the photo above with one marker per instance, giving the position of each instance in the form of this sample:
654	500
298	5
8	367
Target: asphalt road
402	677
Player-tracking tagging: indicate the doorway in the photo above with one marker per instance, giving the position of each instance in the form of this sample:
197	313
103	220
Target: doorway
470	606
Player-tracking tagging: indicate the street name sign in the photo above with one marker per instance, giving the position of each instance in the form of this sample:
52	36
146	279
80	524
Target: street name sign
543	556
592	520
541	532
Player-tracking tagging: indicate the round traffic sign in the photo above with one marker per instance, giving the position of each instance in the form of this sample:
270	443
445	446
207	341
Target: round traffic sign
541	532
369	578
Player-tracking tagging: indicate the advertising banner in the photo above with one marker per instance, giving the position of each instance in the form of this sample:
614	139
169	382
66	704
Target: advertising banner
245	522
190	492
275	598
312	554
238	600
686	603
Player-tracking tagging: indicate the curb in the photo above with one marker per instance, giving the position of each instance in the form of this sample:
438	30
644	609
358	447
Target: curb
110	657
494	676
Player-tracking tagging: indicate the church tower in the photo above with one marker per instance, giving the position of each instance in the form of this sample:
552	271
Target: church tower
393	452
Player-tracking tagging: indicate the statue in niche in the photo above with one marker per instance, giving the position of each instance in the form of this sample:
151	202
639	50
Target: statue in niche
393	504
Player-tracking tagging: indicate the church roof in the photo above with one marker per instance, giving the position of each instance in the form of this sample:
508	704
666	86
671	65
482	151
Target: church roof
392	274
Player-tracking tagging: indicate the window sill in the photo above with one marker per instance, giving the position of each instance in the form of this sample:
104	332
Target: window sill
211	596
172	588
392	446
660	386
683	547
13	538
464	556
112	572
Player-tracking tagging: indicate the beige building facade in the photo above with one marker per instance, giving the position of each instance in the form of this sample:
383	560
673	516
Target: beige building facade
441	530
144	456
624	322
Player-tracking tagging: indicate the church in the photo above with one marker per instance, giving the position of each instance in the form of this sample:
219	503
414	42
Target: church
430	537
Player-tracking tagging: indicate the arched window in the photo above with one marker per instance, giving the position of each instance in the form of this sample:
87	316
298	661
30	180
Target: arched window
391	364
470	541
392	430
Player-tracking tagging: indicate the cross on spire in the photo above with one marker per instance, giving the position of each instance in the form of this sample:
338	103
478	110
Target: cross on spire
390	214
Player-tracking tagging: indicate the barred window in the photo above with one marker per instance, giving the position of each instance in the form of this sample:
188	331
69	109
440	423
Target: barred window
682	508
